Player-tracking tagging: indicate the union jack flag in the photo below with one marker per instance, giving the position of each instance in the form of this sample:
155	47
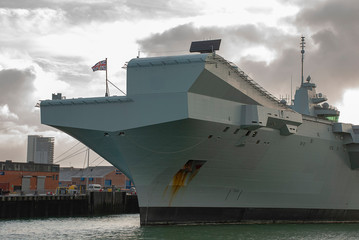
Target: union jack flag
101	65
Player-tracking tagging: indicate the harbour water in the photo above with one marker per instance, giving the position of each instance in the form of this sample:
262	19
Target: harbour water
128	227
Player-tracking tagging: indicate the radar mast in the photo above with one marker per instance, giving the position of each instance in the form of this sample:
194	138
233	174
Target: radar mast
302	44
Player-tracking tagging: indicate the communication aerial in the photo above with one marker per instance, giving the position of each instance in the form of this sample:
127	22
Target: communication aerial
302	45
207	46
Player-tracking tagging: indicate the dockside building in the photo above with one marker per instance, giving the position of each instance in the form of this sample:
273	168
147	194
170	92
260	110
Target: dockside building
106	176
28	178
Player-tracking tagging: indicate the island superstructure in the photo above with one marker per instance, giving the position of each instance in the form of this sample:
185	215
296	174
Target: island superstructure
204	143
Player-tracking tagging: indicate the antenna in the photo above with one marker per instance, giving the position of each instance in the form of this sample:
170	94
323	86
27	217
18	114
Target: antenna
302	44
291	90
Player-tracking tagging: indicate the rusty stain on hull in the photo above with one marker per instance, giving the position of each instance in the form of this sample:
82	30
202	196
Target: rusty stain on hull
183	177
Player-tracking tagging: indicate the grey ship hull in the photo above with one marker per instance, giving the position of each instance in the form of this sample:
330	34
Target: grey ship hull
197	154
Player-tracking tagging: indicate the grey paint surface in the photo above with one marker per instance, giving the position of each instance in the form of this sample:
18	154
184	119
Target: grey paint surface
257	153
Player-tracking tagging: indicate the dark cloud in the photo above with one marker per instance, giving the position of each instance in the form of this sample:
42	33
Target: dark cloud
331	57
177	39
16	87
330	28
340	15
331	66
234	40
18	115
336	36
332	51
17	93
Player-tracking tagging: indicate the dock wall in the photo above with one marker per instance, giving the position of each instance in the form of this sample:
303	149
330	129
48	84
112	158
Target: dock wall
93	204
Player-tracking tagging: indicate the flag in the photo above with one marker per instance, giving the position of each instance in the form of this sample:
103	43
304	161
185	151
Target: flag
101	65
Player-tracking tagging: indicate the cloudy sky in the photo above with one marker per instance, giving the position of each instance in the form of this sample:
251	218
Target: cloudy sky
49	46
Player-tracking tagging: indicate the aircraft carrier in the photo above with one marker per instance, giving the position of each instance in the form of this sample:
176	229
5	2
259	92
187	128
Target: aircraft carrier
204	143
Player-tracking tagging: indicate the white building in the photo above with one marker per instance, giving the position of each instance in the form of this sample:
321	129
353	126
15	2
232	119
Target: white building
40	149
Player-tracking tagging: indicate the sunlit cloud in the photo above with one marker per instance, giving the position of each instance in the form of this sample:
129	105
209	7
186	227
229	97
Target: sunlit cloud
5	113
49	47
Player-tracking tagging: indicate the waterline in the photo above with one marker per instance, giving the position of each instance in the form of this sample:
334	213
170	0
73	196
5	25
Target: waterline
127	226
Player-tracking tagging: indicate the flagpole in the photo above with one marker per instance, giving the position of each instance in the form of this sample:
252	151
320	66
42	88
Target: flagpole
106	94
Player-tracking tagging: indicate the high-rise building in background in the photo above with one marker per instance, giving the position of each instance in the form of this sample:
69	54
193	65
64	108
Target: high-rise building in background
40	149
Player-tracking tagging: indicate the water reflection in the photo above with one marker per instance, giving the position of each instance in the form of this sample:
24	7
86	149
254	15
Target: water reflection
128	227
